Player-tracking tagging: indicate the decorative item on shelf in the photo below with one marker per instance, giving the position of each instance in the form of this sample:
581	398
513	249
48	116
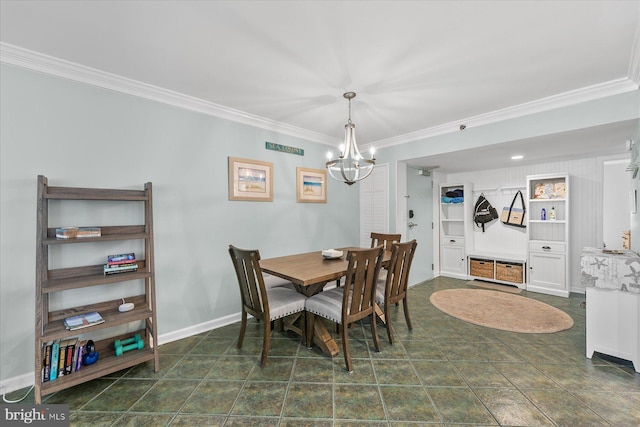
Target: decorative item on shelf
91	355
350	164
133	343
83	321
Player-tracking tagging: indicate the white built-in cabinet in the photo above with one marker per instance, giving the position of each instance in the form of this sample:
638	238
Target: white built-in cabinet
548	239
455	224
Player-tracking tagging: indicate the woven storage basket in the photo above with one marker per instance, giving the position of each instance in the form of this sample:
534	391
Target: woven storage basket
481	268
509	272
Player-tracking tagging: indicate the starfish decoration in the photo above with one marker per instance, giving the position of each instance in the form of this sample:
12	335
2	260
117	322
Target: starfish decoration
598	263
635	275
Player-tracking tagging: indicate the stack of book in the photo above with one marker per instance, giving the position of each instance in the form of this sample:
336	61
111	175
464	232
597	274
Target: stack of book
78	232
61	357
122	263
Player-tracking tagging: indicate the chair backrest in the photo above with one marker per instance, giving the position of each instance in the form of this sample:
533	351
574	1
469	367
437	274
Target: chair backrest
398	270
385	240
360	285
251	282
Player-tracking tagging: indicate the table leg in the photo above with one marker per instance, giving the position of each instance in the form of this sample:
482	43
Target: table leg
322	338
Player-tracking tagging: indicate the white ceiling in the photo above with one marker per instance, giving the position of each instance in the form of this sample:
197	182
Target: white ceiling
415	65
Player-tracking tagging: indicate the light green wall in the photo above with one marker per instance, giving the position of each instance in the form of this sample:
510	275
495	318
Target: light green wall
80	135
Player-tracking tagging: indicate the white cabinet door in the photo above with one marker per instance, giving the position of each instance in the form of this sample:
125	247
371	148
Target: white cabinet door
452	261
547	273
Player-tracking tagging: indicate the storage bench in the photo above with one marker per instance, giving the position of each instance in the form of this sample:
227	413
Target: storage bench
500	268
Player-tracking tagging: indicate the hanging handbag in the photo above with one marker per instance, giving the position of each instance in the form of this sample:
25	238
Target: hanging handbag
514	216
483	212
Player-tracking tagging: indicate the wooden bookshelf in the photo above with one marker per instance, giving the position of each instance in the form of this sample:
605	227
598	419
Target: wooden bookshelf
49	323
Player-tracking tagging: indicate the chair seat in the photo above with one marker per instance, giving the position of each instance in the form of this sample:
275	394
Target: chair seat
327	304
275	281
284	301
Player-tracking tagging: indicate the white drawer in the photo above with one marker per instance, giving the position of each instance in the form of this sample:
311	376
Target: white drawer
452	241
554	247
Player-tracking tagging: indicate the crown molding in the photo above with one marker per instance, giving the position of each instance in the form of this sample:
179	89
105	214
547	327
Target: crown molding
35	61
589	93
20	57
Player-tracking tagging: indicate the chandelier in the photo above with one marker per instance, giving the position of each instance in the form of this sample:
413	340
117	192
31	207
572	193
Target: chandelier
350	166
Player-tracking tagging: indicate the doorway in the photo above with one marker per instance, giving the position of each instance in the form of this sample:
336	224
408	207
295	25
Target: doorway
419	222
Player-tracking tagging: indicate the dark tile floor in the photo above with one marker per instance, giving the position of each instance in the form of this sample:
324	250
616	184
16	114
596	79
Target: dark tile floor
444	372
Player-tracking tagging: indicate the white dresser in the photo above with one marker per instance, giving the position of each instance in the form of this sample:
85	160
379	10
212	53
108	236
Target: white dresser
612	283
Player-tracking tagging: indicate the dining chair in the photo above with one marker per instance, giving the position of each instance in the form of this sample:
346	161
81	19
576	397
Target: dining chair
266	304
393	289
386	240
353	301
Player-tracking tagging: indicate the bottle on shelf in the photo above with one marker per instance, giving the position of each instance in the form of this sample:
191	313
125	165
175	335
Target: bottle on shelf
543	214
552	213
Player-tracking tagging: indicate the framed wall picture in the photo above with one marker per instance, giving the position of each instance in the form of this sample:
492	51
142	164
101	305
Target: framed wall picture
311	185
250	180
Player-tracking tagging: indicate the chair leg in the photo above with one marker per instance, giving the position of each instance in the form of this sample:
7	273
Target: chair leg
405	306
374	332
388	323
345	346
265	343
243	328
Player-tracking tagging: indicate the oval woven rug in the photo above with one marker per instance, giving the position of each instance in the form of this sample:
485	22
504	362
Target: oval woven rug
500	310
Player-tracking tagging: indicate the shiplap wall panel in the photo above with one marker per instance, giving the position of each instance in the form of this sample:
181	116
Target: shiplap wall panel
585	207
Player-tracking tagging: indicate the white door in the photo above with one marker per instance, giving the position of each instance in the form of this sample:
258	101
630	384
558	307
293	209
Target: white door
374	204
419	224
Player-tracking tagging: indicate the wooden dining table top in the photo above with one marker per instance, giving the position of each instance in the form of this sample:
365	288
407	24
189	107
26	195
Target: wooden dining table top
310	268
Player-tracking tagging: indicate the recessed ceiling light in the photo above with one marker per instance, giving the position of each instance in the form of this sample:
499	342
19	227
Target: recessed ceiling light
517	157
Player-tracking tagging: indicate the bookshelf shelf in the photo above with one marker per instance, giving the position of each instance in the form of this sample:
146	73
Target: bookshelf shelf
49	282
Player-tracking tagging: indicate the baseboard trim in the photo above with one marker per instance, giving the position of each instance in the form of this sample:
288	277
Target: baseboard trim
26	380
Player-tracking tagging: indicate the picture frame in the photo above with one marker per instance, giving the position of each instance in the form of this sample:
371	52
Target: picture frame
250	180
311	185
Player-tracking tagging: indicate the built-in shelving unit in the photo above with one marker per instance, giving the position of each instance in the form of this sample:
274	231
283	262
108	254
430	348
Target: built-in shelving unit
455	223
548	239
49	323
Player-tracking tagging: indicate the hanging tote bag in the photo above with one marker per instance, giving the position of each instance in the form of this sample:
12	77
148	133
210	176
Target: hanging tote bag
514	216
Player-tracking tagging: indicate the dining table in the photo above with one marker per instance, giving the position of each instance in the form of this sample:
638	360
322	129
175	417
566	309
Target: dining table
310	272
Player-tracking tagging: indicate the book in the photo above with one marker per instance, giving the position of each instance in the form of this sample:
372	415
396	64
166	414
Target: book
121	259
62	357
71	349
80	353
55	353
66	232
84	232
46	362
120	268
83	321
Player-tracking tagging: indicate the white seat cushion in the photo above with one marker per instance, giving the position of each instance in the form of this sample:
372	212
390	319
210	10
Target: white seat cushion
275	281
327	304
284	301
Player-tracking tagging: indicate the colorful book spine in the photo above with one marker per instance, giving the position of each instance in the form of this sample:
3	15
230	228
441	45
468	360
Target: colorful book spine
121	259
46	363
120	268
55	353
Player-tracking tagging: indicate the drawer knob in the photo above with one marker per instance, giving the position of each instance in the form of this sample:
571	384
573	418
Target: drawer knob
452	241
546	248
